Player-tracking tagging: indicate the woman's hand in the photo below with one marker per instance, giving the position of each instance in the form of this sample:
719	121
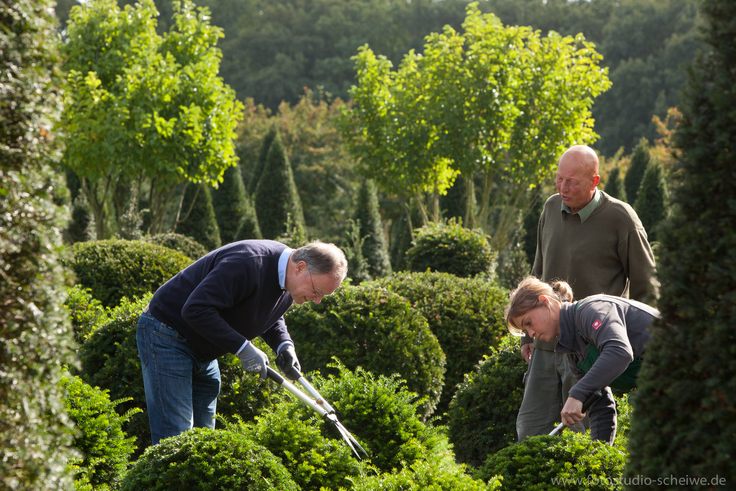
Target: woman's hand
572	412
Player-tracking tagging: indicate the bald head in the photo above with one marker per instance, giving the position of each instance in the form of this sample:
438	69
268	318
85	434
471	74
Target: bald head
577	176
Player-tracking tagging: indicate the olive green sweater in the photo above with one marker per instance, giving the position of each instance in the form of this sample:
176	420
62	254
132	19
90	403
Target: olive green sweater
609	253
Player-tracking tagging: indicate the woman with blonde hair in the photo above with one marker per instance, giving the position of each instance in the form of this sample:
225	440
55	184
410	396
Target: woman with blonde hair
604	337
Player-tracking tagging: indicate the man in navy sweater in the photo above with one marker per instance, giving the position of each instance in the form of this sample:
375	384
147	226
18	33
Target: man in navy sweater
216	306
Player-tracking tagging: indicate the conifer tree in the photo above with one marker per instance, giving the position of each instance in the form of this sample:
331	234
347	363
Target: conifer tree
615	186
249	228
684	418
368	216
637	169
197	219
653	200
276	194
261	162
230	202
36	340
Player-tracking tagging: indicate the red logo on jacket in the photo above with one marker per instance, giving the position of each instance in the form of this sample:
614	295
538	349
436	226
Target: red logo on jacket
597	324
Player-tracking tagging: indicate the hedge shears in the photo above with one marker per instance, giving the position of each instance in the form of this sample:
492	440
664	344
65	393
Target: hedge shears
592	399
319	404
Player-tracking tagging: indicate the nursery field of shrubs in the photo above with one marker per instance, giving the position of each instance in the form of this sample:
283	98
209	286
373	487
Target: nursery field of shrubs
378	352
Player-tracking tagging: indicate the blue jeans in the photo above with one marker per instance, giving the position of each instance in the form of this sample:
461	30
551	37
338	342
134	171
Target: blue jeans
181	389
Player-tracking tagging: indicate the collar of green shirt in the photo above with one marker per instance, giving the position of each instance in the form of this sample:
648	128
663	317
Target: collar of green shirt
585	212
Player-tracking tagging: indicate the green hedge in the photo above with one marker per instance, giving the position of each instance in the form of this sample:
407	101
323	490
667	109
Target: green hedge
208	460
85	311
465	314
105	447
482	416
423	476
450	248
373	328
571	461
186	245
113	269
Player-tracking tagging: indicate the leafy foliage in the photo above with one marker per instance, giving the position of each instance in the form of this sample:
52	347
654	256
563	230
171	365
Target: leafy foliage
465	314
476	426
276	196
686	399
544	462
198	217
85	311
112	269
652	202
423	476
105	447
370	327
450	248
186	245
368	216
313	461
35	438
207	460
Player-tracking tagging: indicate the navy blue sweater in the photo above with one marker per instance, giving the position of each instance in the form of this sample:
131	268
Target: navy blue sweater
230	295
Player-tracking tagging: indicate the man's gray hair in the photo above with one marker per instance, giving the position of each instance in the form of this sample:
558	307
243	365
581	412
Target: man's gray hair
322	258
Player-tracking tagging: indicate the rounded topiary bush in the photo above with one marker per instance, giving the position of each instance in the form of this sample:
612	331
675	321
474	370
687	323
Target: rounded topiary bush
85	312
186	245
423	476
382	415
104	446
482	416
110	361
450	248
373	328
202	460
571	461
465	314
313	460
113	269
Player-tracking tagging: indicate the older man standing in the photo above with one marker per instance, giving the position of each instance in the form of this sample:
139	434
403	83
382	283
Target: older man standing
598	245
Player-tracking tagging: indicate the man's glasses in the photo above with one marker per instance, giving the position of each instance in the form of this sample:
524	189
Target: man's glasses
316	293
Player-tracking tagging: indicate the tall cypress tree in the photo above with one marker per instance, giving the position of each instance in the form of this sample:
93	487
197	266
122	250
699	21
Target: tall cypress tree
249	228
276	194
651	204
261	162
37	341
230	202
615	186
637	169
197	218
684	418
368	215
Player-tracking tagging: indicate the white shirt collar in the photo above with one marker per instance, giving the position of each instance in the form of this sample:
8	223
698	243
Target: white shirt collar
283	261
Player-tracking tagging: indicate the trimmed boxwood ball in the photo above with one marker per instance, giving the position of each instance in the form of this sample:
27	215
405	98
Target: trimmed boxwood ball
207	460
482	416
465	314
423	476
314	461
85	312
570	461
376	329
450	248
186	245
113	269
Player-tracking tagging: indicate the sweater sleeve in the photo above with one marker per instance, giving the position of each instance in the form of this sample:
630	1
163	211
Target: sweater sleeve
607	332
638	260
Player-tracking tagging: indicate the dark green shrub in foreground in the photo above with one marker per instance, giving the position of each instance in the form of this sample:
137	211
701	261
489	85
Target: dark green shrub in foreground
423	476
685	418
373	328
197	219
482	416
313	460
105	448
208	460
465	314
450	248
186	245
382	415
85	311
110	361
571	461
113	269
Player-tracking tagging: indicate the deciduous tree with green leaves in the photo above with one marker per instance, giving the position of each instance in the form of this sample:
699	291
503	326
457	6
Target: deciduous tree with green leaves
145	108
502	102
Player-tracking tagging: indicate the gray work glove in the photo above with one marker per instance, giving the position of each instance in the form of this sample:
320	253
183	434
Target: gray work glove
254	360
288	363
